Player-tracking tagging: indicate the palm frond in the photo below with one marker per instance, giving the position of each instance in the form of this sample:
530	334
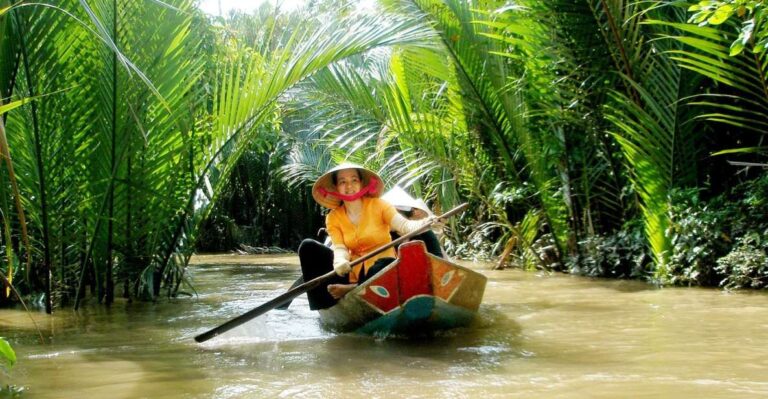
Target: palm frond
707	52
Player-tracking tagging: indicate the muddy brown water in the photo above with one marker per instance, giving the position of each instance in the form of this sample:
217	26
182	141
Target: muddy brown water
537	335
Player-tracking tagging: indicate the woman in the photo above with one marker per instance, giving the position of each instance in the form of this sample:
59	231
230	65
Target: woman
358	223
414	209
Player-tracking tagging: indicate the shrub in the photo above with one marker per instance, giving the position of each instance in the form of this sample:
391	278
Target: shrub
700	236
746	266
621	255
717	242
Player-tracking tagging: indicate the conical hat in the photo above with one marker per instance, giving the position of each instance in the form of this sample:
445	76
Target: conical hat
326	182
403	201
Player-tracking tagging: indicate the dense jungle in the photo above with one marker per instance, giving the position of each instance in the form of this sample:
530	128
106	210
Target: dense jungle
605	138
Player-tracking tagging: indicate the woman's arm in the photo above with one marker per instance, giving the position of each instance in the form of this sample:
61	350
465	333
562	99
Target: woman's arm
404	226
340	251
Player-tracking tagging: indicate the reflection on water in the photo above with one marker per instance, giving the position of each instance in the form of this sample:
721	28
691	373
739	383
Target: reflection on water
537	335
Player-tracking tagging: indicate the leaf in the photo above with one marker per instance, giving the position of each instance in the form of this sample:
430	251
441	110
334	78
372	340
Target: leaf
721	15
736	48
745	35
13	104
761	46
745	150
7	355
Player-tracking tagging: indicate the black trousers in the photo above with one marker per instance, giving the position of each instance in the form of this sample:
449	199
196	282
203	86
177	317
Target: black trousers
430	241
316	260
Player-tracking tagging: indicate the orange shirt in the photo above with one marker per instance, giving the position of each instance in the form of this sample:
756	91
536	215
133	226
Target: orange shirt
370	233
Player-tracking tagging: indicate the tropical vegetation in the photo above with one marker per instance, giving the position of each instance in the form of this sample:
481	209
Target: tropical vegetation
603	137
7	361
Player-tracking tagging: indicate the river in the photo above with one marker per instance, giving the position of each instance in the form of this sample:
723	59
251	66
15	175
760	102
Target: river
538	335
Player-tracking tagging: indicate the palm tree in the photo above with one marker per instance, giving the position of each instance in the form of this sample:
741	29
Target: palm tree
147	145
640	102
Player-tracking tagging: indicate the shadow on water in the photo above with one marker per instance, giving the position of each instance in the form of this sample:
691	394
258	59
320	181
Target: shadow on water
626	286
272	271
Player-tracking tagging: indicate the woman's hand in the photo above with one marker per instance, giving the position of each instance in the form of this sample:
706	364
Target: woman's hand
437	222
342	269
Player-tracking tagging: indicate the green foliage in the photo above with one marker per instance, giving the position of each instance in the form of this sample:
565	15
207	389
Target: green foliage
719	241
751	14
218	233
160	111
746	266
619	255
714	242
397	112
7	361
648	119
479	245
257	208
7	355
539	98
738	98
700	235
503	63
754	203
12	391
563	122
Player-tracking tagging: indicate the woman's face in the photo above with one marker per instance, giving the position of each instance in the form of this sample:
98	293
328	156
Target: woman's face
418	214
348	181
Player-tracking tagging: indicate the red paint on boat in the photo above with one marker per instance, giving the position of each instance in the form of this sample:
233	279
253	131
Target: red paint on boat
414	268
387	280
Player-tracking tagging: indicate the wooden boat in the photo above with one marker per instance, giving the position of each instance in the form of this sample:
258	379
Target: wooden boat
418	293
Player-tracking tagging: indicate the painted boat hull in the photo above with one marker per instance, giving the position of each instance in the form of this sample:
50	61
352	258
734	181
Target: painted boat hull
417	294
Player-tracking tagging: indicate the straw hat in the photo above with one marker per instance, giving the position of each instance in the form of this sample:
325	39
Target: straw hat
325	183
403	201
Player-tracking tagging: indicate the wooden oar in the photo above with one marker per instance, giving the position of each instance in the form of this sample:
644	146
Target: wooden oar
293	293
